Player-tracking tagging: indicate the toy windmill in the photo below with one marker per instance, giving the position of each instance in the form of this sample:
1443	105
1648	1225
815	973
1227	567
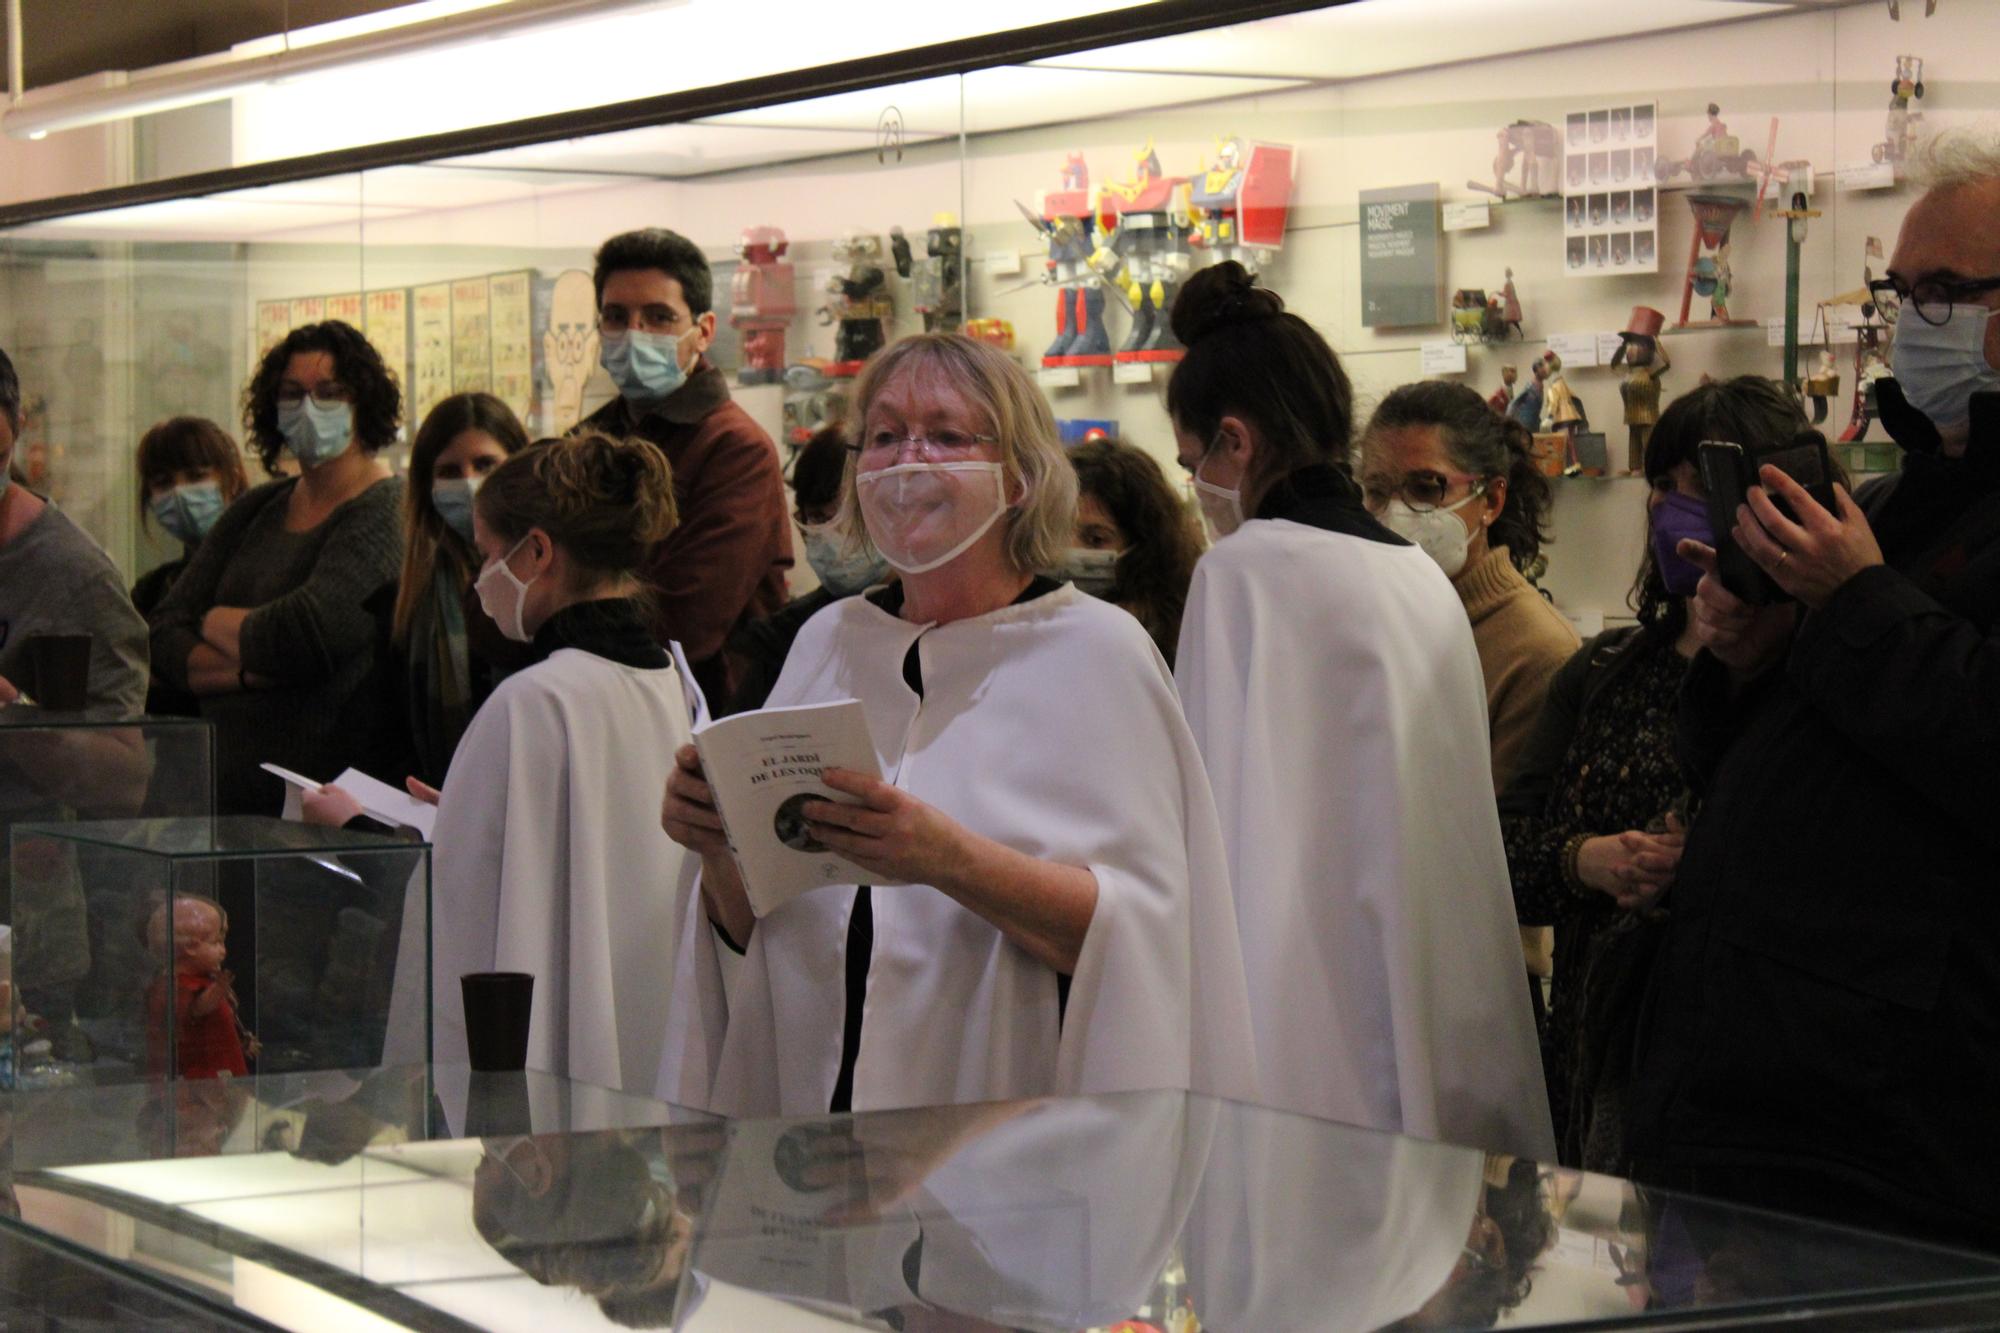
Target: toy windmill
1708	257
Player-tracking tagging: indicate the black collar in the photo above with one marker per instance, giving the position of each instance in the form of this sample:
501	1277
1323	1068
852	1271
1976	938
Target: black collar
1323	496
1978	468
614	629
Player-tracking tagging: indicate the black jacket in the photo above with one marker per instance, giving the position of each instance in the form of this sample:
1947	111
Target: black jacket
1825	1013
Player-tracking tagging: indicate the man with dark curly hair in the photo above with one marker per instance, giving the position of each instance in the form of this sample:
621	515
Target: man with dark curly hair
725	564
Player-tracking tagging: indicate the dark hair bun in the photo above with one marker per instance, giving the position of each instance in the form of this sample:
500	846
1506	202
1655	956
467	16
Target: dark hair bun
1220	297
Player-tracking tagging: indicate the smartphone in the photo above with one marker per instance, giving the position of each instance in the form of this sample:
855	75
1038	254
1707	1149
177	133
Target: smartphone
1727	474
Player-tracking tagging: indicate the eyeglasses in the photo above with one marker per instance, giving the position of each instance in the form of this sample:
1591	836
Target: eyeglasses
1422	491
325	394
1932	298
938	446
616	319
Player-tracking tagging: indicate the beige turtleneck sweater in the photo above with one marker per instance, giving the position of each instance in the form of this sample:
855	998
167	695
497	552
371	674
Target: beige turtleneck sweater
1522	641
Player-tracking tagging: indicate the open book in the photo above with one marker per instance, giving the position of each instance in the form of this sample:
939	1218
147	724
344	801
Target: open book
763	767
377	799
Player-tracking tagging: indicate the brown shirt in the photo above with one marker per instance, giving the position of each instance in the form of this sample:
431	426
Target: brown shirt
1522	642
725	562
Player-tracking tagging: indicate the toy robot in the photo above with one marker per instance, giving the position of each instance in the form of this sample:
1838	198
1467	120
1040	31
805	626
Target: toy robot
1066	223
1144	251
865	306
1239	207
940	275
762	302
1901	126
998	332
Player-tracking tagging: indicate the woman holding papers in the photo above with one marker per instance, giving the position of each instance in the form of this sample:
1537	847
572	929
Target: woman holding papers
1046	908
1329	674
548	859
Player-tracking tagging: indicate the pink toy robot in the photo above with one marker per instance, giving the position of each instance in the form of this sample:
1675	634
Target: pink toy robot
762	302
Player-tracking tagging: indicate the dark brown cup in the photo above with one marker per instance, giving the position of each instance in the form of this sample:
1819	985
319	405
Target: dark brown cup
59	669
498	1006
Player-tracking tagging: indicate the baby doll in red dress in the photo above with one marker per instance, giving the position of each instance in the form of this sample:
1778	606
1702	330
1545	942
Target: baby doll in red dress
208	1040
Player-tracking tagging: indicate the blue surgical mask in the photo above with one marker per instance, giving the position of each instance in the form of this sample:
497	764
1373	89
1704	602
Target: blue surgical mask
188	512
1940	366
646	367
316	432
842	573
453	501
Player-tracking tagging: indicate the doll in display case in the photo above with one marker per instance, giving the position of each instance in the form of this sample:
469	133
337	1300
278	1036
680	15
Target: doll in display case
1502	398
207	1040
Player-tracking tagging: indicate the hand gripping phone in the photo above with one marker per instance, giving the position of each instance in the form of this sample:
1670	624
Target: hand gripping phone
1727	474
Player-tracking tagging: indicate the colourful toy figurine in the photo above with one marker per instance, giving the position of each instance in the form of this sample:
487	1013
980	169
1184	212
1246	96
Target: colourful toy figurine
814	400
999	332
1066	223
1561	411
1240	206
1503	397
1144	224
1527	409
1479	317
1536	146
207	1041
1718	154
762	302
865	306
1901	127
1645	358
940	290
1708	273
1510	306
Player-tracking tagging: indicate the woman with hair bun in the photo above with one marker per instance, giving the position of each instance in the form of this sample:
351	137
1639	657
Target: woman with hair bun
549	855
1330	676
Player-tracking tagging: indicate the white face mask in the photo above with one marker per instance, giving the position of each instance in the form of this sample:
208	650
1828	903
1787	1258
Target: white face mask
508	618
1221	506
1092	571
841	572
923	515
1940	366
1437	532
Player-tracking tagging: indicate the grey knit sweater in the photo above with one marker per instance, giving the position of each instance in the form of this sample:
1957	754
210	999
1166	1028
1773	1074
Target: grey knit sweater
311	631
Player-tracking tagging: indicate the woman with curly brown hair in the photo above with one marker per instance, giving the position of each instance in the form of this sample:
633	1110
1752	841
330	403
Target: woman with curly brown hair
270	625
550	859
1135	543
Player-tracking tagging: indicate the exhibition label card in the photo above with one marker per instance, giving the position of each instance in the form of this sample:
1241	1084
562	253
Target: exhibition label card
1443	357
1469	216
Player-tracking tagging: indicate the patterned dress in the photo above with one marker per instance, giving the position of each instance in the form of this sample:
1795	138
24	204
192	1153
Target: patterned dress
1601	762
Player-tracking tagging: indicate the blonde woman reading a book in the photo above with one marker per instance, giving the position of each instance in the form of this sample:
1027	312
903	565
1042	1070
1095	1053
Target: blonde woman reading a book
1049	910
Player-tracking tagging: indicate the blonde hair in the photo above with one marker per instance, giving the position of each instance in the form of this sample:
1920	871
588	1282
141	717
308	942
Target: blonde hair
1042	524
1955	158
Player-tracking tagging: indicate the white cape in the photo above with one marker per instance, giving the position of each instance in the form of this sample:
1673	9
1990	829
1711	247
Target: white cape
1050	726
549	859
1333	686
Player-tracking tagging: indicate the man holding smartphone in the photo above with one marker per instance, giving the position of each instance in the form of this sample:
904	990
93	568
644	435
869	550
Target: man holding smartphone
1822	1034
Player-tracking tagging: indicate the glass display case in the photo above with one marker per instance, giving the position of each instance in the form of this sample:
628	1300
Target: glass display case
942	193
67	933
149	952
1169	1211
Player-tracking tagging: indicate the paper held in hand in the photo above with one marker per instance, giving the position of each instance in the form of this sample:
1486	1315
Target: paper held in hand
763	767
377	799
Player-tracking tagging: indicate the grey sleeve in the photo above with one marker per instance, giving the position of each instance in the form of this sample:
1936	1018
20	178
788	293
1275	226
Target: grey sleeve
176	621
303	637
118	655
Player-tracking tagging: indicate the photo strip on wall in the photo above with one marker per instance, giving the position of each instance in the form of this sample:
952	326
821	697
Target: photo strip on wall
1611	191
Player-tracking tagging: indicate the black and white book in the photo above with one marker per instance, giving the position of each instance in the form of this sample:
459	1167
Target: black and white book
764	767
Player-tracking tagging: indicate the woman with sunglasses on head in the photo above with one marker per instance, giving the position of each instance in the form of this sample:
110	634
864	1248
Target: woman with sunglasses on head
452	652
548	859
1052	913
1441	469
1330	676
270	625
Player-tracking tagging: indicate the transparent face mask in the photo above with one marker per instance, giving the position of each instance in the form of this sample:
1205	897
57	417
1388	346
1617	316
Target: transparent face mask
924	515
